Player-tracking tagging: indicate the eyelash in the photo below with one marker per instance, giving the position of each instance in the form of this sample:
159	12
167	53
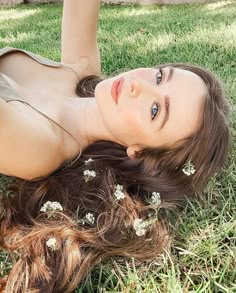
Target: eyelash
160	71
157	106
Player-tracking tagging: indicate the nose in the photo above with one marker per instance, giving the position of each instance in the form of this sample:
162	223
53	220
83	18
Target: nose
135	88
138	86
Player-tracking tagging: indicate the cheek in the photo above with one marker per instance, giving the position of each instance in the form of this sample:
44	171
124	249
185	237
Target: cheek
132	116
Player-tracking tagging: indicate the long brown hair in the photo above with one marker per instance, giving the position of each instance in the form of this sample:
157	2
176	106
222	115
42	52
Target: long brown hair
25	229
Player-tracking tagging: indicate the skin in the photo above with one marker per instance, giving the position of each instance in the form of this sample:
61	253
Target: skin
129	122
88	119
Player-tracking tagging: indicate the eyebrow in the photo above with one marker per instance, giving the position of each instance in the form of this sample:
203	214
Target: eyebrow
167	99
167	112
170	75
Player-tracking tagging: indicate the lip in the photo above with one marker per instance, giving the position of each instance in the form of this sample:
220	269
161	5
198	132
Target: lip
116	89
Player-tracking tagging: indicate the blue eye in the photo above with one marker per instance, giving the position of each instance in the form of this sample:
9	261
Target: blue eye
155	109
159	76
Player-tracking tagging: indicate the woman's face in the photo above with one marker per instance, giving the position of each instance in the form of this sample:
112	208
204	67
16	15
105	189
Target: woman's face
154	107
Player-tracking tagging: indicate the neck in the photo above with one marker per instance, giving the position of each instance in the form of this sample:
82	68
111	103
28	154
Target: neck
89	125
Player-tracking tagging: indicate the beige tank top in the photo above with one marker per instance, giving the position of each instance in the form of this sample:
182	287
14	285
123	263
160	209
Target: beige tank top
9	94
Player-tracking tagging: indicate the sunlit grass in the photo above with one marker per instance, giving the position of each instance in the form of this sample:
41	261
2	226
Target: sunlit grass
217	5
14	14
204	245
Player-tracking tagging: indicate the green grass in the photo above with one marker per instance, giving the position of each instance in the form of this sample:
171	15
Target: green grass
204	247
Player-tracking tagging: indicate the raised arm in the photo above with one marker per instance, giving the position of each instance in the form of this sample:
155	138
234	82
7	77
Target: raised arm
79	46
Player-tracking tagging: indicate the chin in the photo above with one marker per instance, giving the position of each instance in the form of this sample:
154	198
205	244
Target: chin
97	90
102	90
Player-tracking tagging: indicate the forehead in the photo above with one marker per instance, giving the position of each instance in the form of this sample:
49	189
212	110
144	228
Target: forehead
187	84
186	92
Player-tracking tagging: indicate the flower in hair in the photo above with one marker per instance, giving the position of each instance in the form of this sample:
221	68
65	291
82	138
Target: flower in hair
89	175
156	198
51	206
52	243
140	227
189	168
119	194
90	218
88	161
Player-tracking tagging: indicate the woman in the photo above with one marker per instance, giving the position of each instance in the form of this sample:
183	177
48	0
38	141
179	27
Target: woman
109	164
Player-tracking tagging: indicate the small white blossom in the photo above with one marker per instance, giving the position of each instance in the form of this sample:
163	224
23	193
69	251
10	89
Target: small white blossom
156	198
89	175
51	206
140	227
90	218
88	161
119	194
189	168
119	187
52	243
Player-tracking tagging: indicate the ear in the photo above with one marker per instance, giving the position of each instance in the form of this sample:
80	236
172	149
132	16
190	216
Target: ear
131	150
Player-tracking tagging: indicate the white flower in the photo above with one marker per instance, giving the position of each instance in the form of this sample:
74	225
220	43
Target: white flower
156	198
88	161
119	187
90	218
51	206
189	168
89	175
119	194
52	243
140	227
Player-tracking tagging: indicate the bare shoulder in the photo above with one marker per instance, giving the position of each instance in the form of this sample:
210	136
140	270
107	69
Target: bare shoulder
28	149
